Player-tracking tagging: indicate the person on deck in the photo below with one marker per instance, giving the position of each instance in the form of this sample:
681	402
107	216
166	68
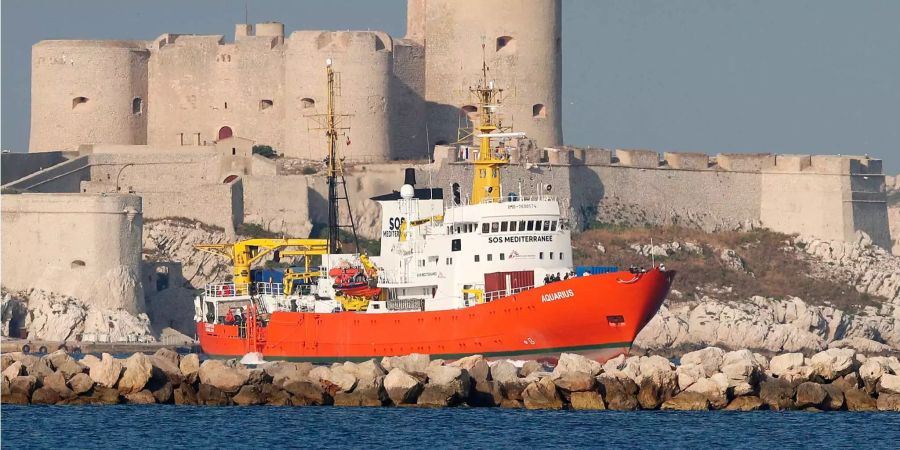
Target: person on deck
229	318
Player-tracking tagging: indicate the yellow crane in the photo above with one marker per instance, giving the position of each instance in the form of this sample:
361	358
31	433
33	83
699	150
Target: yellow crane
244	253
415	223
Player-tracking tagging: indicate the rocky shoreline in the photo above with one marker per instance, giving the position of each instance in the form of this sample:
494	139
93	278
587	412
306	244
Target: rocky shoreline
706	379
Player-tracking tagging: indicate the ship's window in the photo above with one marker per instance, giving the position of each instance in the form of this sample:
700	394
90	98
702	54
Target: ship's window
560	255
512	225
226	105
551	255
530	225
375	306
504	226
421	263
482	173
546	225
538	111
495	227
541	255
502	256
538	226
490	257
477	258
553	226
485	228
521	225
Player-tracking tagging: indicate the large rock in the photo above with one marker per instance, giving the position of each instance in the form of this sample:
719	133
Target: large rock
369	395
504	371
414	364
142	397
167	366
106	373
36	366
575	363
620	392
138	371
715	389
745	403
859	400
833	363
13	370
531	366
227	379
62	362
168	354
210	395
81	383
709	358
871	371
785	363
888	402
341	377
810	394
476	366
688	375
574	381
542	395
447	386
687	401
45	396
658	381
190	366
305	391
889	384
402	388
23	384
777	393
185	395
248	395
834	399
587	401
742	371
163	393
89	361
57	382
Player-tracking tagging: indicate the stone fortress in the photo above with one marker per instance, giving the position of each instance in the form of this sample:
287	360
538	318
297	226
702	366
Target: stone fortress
129	132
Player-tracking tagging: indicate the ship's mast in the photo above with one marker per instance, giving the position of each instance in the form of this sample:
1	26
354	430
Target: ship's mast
486	179
337	186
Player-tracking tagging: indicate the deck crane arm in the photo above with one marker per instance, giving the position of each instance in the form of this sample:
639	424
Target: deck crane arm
244	253
404	226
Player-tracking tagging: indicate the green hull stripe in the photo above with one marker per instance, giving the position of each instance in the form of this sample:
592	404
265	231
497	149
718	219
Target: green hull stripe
439	356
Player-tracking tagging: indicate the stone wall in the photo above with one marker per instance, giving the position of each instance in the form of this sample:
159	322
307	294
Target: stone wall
85	246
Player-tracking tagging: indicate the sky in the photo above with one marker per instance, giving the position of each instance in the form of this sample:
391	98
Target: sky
779	76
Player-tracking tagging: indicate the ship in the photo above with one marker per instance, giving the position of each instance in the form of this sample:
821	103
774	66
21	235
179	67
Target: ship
488	273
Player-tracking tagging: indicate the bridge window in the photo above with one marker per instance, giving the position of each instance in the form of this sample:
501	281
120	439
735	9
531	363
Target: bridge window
477	258
490	257
546	225
495	227
538	111
504	226
512	225
502	256
538	226
456	245
485	228
521	225
530	225
553	226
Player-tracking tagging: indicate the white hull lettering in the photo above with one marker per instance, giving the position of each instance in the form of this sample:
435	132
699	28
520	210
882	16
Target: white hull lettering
519	239
559	295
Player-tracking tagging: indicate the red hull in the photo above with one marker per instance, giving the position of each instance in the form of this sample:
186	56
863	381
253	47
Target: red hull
598	316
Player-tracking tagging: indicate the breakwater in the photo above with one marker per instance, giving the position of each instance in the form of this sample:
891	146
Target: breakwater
711	378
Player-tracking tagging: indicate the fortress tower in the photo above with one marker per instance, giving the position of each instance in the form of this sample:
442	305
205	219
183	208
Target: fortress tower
522	46
85	92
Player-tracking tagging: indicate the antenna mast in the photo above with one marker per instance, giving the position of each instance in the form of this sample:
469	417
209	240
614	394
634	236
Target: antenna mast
333	125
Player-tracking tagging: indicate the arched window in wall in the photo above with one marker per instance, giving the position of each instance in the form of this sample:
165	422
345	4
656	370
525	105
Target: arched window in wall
505	43
307	103
79	102
538	111
137	106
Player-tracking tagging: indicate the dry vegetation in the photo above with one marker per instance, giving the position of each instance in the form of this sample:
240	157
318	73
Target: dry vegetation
774	266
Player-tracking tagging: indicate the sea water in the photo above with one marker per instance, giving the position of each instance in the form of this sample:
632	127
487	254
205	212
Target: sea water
204	427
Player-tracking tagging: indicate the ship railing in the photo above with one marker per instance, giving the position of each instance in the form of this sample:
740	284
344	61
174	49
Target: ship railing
224	290
267	288
506	199
500	293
